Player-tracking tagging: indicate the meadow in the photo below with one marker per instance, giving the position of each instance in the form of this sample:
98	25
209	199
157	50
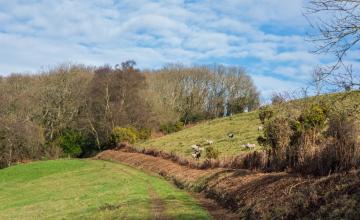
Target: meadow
244	126
90	189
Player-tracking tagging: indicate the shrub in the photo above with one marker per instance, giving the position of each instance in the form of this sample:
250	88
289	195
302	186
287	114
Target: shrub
170	127
254	160
343	132
20	140
211	153
265	113
316	141
278	134
71	143
120	134
261	141
192	118
313	118
144	133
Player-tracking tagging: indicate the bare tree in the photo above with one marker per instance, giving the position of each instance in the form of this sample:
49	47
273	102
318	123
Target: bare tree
317	80
198	92
114	99
337	31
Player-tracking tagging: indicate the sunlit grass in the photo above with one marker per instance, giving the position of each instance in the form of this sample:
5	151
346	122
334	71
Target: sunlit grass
87	189
244	126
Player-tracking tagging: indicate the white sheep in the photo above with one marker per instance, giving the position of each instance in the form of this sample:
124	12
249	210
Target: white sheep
196	151
260	128
196	155
196	147
248	145
209	142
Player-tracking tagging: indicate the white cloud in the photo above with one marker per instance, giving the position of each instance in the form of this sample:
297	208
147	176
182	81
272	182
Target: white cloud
269	85
38	33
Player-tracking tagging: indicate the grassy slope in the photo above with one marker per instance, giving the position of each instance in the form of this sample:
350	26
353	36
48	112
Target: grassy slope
88	189
244	126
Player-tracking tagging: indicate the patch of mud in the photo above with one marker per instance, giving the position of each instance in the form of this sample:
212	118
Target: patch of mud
157	205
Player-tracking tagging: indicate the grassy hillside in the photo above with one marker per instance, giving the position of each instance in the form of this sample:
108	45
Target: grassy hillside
89	189
244	126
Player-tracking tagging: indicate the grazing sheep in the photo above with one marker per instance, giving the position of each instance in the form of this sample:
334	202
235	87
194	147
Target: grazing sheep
209	142
196	147
248	145
196	151
231	135
260	128
196	155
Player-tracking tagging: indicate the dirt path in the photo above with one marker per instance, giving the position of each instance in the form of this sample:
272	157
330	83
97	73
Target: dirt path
169	169
215	211
156	165
256	195
157	205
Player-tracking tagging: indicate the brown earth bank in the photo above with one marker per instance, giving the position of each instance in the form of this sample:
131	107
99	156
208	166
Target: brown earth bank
255	195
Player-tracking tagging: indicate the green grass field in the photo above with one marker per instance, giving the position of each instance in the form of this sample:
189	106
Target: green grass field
90	189
244	126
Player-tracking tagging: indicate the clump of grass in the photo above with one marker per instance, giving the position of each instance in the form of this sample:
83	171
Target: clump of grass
108	206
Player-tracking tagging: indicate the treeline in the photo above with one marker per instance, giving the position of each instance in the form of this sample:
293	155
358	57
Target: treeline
73	110
201	92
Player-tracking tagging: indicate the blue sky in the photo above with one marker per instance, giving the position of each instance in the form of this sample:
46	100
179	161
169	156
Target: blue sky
266	37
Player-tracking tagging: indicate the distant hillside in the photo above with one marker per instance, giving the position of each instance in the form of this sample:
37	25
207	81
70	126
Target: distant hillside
244	127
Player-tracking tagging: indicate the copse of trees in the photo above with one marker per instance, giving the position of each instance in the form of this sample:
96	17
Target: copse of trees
115	98
77	110
192	94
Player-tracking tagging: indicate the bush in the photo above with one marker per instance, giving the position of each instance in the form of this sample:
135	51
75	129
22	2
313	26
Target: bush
20	141
192	118
278	134
211	153
71	143
171	127
343	132
313	118
144	133
265	113
120	134
318	140
254	160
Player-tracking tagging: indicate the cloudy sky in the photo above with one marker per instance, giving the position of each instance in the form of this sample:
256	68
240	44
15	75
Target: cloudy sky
267	37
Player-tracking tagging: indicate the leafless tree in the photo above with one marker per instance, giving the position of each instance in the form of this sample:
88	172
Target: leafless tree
114	99
317	80
337	31
197	92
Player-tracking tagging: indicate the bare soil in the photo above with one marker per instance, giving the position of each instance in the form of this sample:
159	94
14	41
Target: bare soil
157	206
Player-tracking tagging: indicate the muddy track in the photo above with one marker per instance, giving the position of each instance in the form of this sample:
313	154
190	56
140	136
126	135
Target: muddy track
174	172
171	171
157	205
